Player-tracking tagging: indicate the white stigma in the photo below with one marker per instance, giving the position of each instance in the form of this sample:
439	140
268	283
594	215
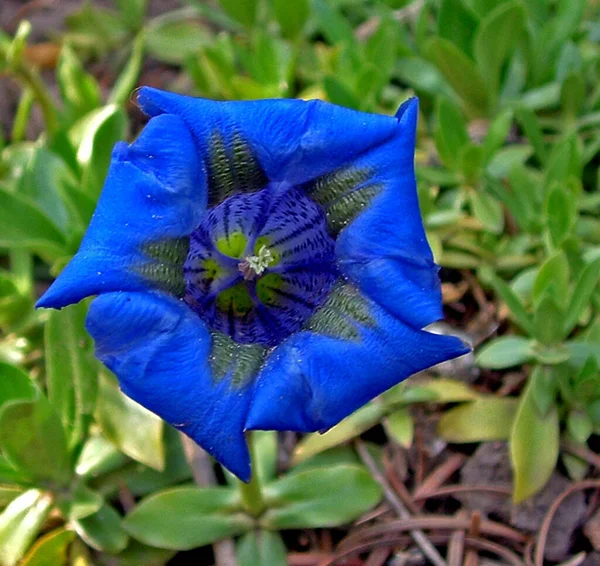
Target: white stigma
254	265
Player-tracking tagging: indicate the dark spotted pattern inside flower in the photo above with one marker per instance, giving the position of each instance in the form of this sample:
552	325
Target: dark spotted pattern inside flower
260	264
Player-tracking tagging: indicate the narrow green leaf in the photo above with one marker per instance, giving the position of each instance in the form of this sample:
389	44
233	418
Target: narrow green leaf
560	214
175	36
102	530
533	447
456	22
451	136
399	426
24	226
132	11
548	321
80	91
242	11
504	352
455	66
488	210
20	523
552	279
332	23
351	427
127	80
50	550
530	124
291	16
261	547
323	497
515	306
134	429
71	369
497	36
15	384
497	133
584	288
95	135
485	419
33	440
187	517
580	426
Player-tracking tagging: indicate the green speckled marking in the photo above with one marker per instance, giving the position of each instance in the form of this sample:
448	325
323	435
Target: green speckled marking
344	309
233	245
232	168
241	361
165	266
343	194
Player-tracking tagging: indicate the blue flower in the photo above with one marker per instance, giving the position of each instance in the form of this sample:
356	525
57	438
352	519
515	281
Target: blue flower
259	265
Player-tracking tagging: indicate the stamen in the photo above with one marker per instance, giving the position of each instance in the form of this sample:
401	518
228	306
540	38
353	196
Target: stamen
254	265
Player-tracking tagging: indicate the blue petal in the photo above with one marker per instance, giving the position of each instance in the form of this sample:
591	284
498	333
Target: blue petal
312	381
155	191
294	140
385	249
160	352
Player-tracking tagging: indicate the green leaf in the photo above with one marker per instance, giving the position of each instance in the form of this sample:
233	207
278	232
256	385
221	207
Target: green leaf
552	279
497	36
80	91
584	288
439	390
33	440
572	95
25	226
95	135
80	502
127	80
456	22
132	11
399	426
451	136
319	497
580	425
50	550
423	76
548	321
455	66
174	36
338	93
242	11
504	352
291	16
512	301
531	126
533	446
102	530
488	211
485	419
15	384
544	388
332	24
187	517
261	547
351	427
20	523
560	214
71	369
131	427
497	133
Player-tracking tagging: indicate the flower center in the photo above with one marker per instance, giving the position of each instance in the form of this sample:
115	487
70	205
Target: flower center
260	264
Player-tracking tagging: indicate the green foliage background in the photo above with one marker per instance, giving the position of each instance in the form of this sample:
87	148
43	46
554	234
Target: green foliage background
508	155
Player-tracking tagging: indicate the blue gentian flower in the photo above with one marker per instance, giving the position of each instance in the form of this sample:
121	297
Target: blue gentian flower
259	265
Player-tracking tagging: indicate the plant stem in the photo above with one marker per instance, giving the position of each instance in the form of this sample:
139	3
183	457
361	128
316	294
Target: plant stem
251	492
